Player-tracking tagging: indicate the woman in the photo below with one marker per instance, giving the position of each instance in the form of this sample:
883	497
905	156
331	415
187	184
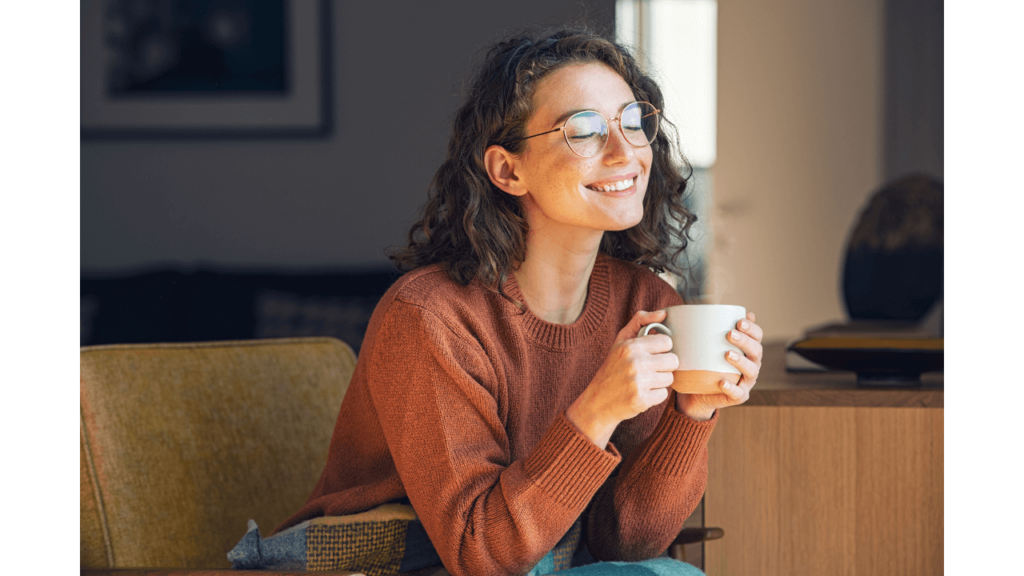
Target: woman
501	388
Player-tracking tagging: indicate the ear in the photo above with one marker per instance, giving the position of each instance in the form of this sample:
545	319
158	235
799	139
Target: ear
501	169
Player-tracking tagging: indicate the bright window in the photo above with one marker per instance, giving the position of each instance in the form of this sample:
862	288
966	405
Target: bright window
676	42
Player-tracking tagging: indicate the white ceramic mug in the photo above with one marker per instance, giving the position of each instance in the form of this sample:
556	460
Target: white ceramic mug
699	337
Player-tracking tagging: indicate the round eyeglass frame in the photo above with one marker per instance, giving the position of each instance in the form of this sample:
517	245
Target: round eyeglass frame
618	119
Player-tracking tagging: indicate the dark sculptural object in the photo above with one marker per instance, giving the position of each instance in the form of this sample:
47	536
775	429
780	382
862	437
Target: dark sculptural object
893	269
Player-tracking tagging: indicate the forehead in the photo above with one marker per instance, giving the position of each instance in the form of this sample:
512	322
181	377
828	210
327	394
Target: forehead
590	86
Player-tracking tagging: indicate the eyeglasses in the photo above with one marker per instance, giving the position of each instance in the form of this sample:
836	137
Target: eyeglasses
586	132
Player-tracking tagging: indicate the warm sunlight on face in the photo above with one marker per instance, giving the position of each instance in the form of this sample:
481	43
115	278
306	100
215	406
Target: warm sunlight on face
574	193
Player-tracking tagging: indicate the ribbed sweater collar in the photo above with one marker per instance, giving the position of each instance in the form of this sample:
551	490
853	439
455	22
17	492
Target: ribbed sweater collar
563	336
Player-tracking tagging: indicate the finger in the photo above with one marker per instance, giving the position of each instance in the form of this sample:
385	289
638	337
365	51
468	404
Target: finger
748	368
750	328
655	343
661	380
659	395
736	394
667	362
750	347
649	317
638	321
750	316
747	384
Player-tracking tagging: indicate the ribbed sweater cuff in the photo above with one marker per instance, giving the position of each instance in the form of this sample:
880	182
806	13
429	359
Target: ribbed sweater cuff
677	443
568	465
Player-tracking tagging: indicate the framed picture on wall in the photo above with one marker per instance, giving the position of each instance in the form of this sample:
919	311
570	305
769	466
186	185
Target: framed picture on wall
217	68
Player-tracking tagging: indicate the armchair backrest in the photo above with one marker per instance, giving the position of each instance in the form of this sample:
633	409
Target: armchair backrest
181	444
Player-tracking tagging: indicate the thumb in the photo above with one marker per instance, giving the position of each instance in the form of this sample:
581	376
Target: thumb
638	321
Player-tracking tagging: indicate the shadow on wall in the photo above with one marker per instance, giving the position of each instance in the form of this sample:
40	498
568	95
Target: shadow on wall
172	306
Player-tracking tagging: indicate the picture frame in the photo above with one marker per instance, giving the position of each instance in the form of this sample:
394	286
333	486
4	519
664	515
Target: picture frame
296	102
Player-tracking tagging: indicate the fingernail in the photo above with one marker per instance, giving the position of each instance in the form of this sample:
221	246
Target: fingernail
733	355
734	335
744	324
726	385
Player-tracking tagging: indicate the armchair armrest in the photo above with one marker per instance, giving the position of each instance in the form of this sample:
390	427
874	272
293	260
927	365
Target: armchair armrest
694	535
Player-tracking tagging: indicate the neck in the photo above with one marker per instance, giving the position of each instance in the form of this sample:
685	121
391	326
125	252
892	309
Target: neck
554	277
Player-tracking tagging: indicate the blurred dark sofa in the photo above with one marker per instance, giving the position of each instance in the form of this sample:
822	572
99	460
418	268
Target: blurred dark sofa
175	306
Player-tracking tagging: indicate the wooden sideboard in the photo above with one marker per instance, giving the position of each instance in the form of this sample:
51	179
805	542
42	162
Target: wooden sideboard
813	475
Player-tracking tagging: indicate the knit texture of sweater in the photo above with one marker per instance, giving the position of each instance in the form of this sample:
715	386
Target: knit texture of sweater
458	403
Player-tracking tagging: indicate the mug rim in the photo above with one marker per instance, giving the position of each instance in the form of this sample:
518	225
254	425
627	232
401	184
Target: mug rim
706	305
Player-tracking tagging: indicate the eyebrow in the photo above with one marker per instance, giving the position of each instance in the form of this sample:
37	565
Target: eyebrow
561	119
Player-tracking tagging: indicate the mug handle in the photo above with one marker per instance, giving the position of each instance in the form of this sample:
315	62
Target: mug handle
647	329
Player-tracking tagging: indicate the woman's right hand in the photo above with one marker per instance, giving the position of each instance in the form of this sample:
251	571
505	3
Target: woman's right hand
636	375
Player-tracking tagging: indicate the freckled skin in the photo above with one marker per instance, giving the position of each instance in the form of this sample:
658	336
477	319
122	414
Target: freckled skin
555	176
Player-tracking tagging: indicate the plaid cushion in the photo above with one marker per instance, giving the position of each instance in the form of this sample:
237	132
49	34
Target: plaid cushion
371	547
386	540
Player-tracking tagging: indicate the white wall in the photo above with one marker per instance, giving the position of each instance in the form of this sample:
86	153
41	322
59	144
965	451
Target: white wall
800	149
328	203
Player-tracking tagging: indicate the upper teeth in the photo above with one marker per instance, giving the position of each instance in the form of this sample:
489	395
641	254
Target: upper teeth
620	185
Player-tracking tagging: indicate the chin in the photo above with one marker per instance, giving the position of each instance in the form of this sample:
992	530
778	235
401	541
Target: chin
633	218
621	225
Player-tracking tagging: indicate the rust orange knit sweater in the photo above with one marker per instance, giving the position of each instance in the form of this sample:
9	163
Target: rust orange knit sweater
458	402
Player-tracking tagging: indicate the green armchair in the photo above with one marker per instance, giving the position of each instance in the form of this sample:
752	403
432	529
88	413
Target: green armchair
182	444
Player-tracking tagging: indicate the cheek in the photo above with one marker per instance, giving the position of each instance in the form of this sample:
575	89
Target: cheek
572	166
567	173
646	160
646	157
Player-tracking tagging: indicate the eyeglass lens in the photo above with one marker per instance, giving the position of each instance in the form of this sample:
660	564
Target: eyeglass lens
587	132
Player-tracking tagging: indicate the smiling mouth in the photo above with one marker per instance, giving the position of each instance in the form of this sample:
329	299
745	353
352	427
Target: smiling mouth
614	186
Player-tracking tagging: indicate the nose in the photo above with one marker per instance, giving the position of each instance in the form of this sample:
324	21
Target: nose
617	150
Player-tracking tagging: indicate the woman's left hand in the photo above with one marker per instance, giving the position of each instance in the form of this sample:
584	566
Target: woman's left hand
747	337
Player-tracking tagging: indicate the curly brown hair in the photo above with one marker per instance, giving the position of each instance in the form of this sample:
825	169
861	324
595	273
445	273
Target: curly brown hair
478	231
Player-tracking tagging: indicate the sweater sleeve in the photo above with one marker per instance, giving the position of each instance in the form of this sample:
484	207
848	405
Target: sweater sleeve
640	510
434	392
